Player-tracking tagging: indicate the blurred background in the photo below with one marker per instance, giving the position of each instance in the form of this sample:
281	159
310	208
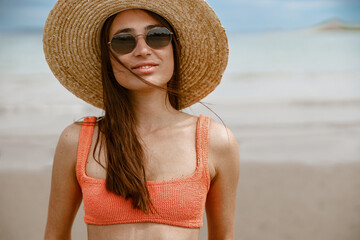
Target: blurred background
291	95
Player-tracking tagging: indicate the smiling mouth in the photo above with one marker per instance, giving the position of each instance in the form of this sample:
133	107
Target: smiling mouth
145	69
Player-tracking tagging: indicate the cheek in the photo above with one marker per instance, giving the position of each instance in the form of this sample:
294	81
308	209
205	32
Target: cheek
120	72
117	67
170	64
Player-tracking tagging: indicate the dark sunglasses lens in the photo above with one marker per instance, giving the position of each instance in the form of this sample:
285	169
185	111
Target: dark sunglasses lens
123	43
158	38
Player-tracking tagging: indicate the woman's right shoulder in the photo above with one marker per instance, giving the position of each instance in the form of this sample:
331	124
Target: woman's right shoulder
66	150
70	135
69	138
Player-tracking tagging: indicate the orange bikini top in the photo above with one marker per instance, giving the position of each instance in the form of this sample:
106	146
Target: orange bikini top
179	202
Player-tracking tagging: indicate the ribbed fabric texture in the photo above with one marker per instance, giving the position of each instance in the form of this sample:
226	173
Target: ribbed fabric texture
179	202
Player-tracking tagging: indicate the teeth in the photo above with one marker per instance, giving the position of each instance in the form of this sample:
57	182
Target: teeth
145	67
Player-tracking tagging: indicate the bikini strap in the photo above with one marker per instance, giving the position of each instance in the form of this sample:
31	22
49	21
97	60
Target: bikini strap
85	140
202	146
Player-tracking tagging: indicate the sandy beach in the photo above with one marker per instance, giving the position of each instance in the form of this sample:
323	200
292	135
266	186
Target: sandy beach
275	201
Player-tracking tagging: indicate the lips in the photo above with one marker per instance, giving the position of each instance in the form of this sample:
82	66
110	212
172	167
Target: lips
145	68
144	65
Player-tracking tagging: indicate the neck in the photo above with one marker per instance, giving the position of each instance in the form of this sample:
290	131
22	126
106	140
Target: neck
152	110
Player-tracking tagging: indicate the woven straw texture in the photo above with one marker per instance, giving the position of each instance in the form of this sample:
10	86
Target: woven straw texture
71	44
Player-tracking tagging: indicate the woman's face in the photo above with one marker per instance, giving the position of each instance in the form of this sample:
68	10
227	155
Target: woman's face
161	61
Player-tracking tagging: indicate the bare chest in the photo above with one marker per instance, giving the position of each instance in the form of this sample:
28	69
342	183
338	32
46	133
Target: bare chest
166	156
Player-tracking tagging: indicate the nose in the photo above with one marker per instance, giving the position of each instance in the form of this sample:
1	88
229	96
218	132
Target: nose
141	49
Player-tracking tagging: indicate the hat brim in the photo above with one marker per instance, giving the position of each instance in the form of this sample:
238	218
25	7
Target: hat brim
72	49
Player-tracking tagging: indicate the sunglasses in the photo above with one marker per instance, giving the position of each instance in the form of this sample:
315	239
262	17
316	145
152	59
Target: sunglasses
124	43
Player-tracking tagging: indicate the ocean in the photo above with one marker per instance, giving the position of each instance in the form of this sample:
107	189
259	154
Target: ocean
265	66
277	85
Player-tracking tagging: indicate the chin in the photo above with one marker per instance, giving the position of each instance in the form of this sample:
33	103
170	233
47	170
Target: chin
156	80
131	82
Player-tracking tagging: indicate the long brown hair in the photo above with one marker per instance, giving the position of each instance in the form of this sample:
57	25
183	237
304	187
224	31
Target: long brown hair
116	129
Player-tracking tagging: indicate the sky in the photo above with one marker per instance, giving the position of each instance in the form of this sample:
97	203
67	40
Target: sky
236	15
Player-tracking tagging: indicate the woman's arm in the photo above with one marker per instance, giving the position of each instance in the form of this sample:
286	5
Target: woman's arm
65	195
221	200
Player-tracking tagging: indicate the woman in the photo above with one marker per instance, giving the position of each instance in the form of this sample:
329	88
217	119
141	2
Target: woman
145	170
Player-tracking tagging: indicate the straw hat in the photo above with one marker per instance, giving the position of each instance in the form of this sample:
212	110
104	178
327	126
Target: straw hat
72	49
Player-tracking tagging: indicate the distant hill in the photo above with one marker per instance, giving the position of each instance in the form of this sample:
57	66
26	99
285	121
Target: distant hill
336	25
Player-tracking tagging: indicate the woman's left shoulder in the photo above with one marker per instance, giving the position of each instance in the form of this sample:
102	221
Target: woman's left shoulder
221	138
223	148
